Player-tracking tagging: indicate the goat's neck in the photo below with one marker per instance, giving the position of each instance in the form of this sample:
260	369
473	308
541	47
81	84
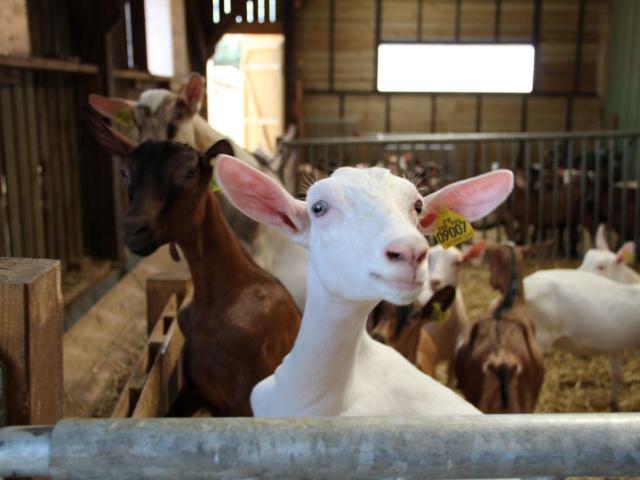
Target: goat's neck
630	275
205	135
326	350
216	259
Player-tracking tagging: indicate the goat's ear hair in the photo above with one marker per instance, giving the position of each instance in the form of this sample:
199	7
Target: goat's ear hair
445	297
261	198
221	147
463	352
114	108
106	136
601	238
194	92
474	251
473	198
626	253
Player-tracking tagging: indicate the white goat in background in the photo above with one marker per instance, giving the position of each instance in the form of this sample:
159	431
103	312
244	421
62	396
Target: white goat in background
613	265
161	114
360	226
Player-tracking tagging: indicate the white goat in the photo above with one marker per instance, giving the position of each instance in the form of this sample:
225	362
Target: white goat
444	266
164	115
603	261
360	226
585	313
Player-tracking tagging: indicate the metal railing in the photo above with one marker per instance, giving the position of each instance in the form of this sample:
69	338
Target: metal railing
566	182
493	446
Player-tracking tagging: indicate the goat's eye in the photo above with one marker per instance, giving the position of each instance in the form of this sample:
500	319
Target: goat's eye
418	206
191	173
124	174
319	208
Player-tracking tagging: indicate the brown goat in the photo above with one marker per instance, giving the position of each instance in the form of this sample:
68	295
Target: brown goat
498	362
401	327
242	321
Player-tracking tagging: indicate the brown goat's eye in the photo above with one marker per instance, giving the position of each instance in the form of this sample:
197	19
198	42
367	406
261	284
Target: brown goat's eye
191	173
418	206
124	174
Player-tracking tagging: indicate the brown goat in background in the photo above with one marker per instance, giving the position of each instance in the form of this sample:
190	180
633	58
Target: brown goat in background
498	362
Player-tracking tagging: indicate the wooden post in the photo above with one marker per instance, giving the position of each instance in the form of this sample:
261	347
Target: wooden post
31	339
160	287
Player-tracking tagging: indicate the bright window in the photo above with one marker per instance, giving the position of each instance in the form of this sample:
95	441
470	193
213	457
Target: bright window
455	68
159	37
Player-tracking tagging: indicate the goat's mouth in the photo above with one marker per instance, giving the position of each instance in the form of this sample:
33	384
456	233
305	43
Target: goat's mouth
398	284
142	248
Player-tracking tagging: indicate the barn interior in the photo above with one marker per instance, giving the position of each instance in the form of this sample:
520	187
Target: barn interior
90	329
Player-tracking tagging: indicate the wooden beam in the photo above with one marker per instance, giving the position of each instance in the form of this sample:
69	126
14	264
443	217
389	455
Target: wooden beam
377	43
332	52
31	339
139	76
37	63
576	65
160	288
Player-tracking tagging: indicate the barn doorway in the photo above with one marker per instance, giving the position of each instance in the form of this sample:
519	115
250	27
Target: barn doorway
245	90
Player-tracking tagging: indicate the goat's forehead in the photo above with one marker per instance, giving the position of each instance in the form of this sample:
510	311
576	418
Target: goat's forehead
374	184
159	155
153	98
594	254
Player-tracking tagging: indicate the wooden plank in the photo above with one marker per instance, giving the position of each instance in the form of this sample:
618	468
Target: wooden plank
160	288
31	339
11	171
26	186
73	108
55	143
355	45
34	165
3	205
45	154
36	63
401	122
139	75
477	20
439	20
311	64
399	20
165	379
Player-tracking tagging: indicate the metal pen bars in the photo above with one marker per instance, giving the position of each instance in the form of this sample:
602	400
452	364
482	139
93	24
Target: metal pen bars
493	446
566	182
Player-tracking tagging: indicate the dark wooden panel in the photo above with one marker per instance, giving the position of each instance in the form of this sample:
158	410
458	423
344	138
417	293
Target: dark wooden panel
11	170
77	214
55	127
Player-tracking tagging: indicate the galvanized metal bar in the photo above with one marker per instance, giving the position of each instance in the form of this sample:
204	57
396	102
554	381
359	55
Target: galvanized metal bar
568	178
583	193
483	169
384	138
512	201
24	451
612	157
527	189
636	228
494	446
541	191
554	199
598	182
623	207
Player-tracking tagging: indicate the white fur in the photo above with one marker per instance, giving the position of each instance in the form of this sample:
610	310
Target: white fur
603	261
335	368
584	313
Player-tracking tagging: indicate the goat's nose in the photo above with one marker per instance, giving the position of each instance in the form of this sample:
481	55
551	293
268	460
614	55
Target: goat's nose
435	284
137	229
407	251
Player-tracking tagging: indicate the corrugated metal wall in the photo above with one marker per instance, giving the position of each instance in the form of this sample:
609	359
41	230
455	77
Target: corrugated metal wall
623	82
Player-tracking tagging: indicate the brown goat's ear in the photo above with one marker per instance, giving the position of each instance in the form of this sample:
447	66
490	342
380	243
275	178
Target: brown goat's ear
111	140
194	92
221	147
463	352
443	297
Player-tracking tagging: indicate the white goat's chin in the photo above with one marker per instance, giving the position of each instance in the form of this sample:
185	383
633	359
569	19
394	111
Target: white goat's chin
399	292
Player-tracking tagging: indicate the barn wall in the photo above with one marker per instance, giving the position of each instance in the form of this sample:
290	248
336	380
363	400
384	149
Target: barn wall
623	81
335	60
14	28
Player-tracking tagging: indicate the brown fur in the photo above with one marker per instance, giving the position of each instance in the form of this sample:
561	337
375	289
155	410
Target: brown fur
401	328
498	363
242	321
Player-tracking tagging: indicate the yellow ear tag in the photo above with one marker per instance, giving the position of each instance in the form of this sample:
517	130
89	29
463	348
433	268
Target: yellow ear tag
452	228
629	258
213	186
124	118
438	315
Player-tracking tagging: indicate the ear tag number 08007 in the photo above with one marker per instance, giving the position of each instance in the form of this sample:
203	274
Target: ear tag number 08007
452	228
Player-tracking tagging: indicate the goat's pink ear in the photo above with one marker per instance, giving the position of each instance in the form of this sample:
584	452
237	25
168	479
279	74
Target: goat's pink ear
626	252
114	108
194	92
106	136
601	238
473	198
261	198
474	251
